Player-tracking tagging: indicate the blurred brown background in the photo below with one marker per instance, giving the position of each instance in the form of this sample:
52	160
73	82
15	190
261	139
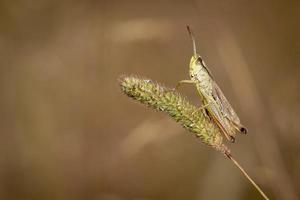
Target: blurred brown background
67	132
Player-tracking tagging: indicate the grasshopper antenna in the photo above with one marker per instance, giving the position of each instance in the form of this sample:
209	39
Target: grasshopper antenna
193	40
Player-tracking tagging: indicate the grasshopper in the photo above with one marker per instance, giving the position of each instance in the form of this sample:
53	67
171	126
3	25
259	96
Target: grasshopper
214	103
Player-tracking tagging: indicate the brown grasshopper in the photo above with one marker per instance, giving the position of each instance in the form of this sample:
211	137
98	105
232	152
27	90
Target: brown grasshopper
214	103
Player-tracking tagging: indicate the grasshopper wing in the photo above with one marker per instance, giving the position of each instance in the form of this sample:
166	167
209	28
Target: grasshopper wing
227	110
223	123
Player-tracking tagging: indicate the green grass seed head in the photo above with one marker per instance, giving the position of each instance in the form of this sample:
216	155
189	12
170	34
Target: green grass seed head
169	101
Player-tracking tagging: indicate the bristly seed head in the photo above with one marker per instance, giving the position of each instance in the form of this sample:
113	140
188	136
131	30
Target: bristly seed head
167	100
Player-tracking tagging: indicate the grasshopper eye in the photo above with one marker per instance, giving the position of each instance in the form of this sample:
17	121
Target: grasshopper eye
199	60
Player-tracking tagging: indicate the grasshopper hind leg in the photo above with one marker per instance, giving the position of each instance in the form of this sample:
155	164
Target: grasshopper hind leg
229	137
232	139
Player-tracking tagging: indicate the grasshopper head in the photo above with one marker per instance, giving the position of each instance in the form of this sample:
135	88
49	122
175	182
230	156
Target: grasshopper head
196	65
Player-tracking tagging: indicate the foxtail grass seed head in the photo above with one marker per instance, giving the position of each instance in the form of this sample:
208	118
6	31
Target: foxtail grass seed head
191	118
167	100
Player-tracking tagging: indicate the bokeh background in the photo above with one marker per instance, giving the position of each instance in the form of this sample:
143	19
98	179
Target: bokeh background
67	132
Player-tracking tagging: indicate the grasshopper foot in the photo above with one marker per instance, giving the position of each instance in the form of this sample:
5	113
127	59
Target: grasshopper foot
232	139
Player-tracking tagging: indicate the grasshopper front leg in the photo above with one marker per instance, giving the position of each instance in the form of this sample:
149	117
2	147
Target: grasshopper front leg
180	83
